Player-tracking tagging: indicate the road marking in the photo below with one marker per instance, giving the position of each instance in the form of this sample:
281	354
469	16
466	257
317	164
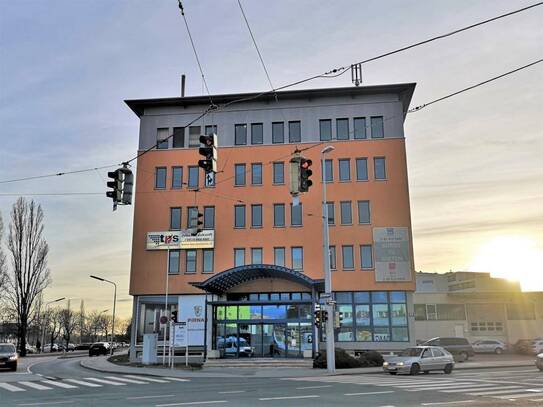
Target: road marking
368	393
231	392
95	379
149	379
518	396
311	396
192	403
59	384
123	379
177	379
35	385
510	389
314	387
82	383
439	387
10	387
151	397
473	387
444	403
47	404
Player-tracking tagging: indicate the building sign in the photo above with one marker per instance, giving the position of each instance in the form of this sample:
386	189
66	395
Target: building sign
392	256
180	239
192	309
180	334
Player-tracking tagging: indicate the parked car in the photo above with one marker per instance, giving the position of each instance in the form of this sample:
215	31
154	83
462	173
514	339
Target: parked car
459	347
48	348
83	346
539	361
523	346
99	348
420	359
537	346
230	346
29	349
8	356
70	347
489	346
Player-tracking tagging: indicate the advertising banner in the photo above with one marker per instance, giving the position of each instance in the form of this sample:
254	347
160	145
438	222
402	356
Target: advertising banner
180	239
192	311
392	255
180	334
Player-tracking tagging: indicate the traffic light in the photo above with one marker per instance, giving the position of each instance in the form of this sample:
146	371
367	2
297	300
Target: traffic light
196	224
324	316
116	185
174	316
209	151
317	316
338	319
127	185
305	173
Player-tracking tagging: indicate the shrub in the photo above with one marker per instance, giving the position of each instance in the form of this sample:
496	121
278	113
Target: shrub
371	358
343	360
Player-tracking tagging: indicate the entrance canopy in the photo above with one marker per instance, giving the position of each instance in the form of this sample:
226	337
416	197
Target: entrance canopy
224	281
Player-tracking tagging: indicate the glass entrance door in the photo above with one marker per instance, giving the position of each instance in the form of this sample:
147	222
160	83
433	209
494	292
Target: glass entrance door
293	340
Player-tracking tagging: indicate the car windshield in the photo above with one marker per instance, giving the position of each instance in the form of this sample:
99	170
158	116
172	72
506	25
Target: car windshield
411	352
7	348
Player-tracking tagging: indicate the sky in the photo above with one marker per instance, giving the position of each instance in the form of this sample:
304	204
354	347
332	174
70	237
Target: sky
474	161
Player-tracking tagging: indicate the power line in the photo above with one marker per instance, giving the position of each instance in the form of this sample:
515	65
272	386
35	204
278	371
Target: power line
58	174
420	107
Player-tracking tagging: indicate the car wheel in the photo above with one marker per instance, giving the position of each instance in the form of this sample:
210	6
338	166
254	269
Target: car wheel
448	368
415	369
498	351
392	373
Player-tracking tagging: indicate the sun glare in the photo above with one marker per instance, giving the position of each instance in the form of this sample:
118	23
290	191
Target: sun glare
515	258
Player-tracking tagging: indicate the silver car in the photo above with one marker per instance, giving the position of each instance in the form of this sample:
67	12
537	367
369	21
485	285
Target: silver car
420	359
539	361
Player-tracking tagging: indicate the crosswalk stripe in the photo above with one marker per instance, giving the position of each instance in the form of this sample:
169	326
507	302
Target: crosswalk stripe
10	387
82	383
530	393
123	379
504	390
439	387
146	378
177	379
95	379
473	387
34	385
59	384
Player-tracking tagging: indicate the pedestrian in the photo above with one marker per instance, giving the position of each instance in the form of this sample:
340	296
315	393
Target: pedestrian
38	346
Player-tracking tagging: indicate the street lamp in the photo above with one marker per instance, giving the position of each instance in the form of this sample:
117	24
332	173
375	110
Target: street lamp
114	303
329	307
45	312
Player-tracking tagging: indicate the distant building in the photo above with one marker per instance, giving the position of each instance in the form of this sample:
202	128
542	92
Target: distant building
475	306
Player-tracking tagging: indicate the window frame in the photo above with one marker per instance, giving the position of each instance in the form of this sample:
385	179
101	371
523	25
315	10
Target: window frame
205	225
342	121
253	225
243	177
279	205
239	250
343	263
321	123
254	125
180	218
358	164
292	224
340	161
277	164
290	135
341	205
174	169
378	159
238	142
204	251
157	169
358	203
195	171
275	251
377	119
189	260
301	251
244	217
253	166
170	252
355	127
275	140
362	257
178	131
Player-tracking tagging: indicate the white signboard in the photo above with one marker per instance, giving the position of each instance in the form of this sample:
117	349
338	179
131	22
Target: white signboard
180	334
192	310
171	240
392	254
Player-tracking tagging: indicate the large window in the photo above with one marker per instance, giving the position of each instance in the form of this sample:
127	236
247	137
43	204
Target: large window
177	177
208	255
279	256
194	136
161	138
178	137
361	169
278	215
239	216
347	255
342	129
366	256
364	212
377	130
257	133
278	132
190	262
379	168
210	129
296	215
209	217
325	127
256	174
278	173
240	135
239	257
345	169
175	218
328	171
440	312
193	177
256	216
520	312
331	213
173	261
360	128
239	175
297	258
192	216
256	255
294	132
160	177
346	213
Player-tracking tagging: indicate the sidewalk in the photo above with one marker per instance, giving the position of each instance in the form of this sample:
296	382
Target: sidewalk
101	364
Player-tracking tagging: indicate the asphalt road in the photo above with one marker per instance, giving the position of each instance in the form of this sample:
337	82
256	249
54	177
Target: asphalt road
51	382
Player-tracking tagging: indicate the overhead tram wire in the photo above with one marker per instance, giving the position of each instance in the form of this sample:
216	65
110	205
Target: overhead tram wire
58	174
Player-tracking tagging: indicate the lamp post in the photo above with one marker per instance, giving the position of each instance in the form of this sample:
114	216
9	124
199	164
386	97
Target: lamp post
114	303
45	312
329	307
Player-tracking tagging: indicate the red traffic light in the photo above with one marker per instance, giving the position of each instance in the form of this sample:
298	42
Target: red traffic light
305	164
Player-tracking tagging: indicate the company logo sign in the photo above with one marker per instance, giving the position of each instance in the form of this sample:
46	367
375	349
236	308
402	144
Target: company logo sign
180	240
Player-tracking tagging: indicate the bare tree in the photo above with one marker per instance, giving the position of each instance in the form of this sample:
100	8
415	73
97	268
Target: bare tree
3	266
28	275
53	325
69	320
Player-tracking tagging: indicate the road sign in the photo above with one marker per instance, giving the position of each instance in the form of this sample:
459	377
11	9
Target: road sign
163	319
180	334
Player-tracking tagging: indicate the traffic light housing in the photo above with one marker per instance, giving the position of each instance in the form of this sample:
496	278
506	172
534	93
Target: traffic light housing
116	186
209	151
196	224
127	185
305	173
174	316
317	316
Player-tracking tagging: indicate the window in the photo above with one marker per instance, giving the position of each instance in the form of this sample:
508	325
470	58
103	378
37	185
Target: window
175	218
360	128
366	256
331	214
328	172
177	177
209	217
332	257
342	129
257	133
194	136
420	312
379	168
364	212
193	177
161	138
190	261
208	260
192	216
240	175
278	173
211	129
278	133
325	128
347	255
239	216
256	255
256	174
256	216
346	213
487	326
173	261
361	169
178	137
239	257
377	130
279	256
294	132
344	170
296	215
160	177
278	215
297	254
451	312
517	312
240	136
